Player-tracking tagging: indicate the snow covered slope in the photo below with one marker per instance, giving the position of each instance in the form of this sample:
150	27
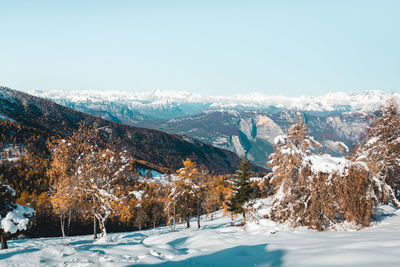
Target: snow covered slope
218	244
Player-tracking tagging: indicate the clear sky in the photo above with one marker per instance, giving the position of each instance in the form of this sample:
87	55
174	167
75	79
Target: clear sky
210	47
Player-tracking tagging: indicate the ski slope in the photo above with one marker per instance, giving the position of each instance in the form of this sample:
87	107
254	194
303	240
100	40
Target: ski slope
218	243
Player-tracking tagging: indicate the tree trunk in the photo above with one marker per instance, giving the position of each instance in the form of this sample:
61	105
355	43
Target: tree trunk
103	228
102	225
198	214
174	215
3	242
62	224
198	221
244	218
94	228
69	223
187	221
169	217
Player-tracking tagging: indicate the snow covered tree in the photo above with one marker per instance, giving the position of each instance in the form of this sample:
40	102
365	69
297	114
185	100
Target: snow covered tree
187	194
88	176
13	217
241	190
381	151
289	150
185	189
317	191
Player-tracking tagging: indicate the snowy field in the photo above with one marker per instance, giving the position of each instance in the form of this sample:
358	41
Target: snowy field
218	244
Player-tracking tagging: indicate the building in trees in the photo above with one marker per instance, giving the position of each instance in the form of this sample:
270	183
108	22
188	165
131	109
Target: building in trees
14	218
241	190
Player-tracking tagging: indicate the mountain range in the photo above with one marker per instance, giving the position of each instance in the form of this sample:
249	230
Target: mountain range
244	124
152	148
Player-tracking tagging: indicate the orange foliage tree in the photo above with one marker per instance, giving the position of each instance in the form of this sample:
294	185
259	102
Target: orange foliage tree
88	178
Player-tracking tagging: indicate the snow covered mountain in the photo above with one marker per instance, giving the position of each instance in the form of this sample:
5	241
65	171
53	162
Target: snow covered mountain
44	118
240	123
171	104
254	131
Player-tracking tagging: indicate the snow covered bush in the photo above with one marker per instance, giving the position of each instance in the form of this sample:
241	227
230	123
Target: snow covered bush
317	191
14	218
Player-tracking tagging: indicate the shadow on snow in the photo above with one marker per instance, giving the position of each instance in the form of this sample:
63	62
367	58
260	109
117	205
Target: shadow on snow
256	255
12	253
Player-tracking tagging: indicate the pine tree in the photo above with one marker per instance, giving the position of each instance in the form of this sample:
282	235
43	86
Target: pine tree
241	189
381	151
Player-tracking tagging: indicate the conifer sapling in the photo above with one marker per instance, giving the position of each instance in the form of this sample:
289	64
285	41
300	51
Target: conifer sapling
241	189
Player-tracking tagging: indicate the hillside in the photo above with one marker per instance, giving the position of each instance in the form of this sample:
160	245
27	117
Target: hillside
155	147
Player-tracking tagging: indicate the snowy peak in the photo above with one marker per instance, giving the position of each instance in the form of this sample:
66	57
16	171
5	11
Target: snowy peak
191	103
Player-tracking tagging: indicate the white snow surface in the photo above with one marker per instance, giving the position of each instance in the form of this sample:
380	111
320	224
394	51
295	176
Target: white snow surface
218	243
327	164
280	139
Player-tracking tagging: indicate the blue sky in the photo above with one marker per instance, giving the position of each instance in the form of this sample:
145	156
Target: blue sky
210	47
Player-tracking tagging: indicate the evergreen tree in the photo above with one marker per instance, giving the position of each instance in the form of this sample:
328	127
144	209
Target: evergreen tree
13	217
241	189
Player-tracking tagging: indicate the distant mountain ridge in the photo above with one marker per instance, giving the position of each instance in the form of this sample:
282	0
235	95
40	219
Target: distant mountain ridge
176	103
241	123
146	145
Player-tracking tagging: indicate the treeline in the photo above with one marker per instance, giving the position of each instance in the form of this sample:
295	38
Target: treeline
85	185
